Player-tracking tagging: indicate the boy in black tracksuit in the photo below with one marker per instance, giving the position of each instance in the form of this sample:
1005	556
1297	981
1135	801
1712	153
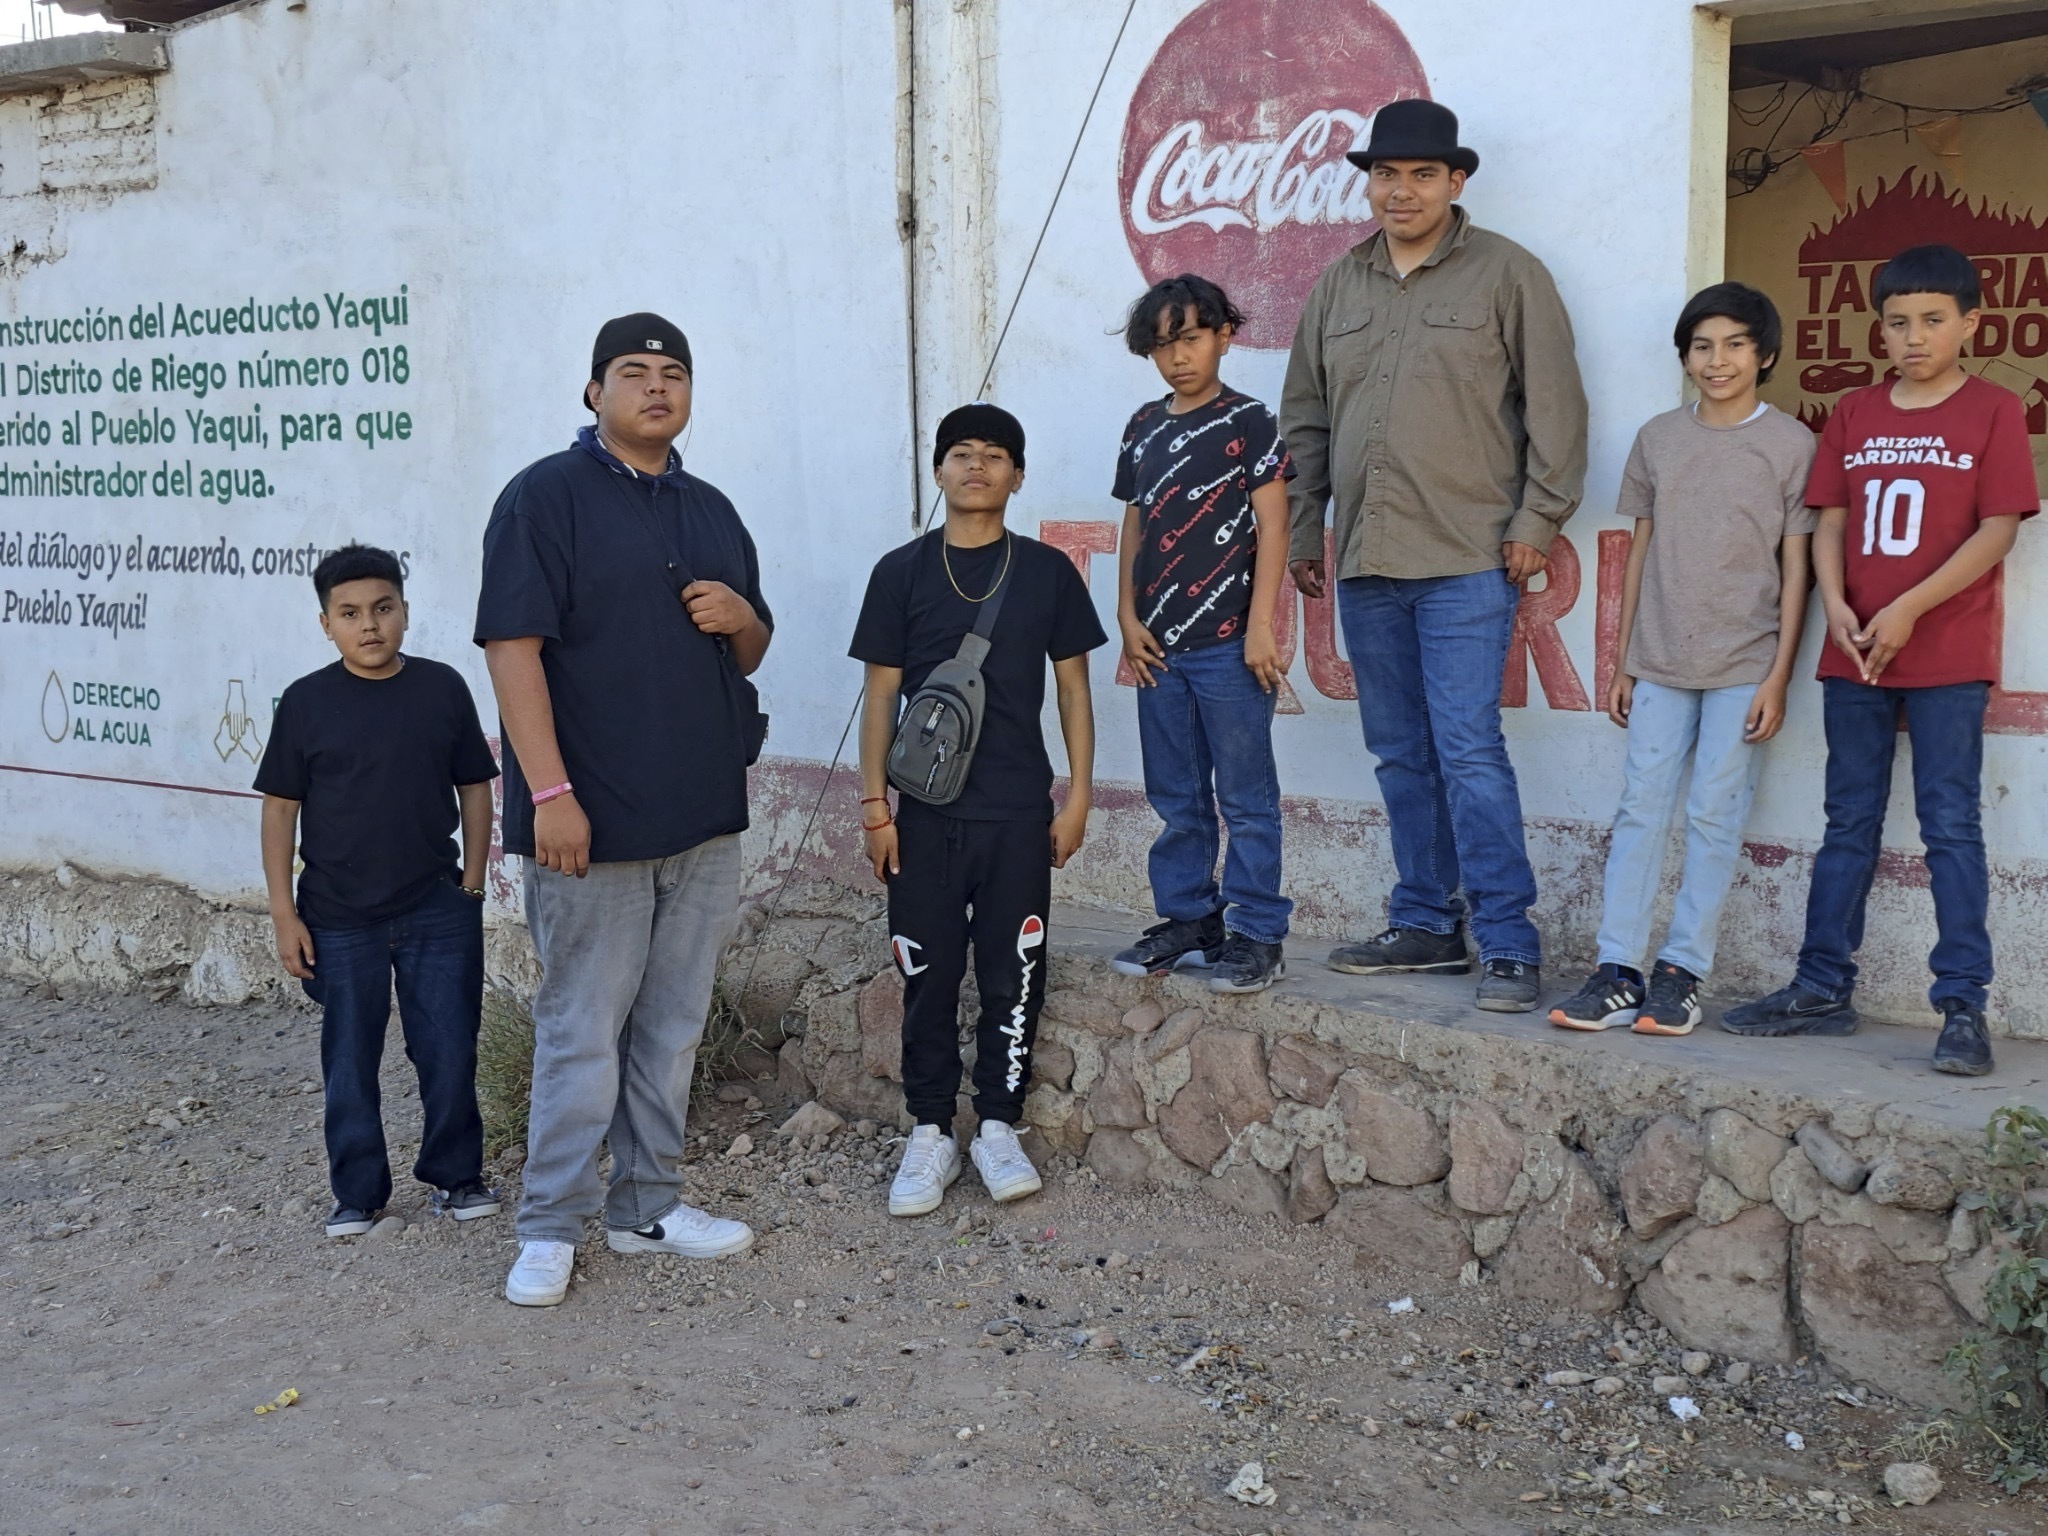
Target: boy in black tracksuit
979	869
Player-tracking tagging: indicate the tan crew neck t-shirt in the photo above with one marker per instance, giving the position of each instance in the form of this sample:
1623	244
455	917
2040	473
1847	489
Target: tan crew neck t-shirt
1721	500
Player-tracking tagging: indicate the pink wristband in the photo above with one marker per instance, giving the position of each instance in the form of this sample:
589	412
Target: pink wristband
543	796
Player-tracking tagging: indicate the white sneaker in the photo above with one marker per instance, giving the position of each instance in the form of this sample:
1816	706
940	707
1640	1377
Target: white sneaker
931	1162
540	1278
683	1230
1001	1162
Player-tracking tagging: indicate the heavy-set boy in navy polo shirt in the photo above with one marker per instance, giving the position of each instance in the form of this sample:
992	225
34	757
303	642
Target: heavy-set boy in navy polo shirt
620	607
1922	482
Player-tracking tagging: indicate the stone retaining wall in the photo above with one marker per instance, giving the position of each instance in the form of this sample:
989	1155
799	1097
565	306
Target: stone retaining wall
1755	1223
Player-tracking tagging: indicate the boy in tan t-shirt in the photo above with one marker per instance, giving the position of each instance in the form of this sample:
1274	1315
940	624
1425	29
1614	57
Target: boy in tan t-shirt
1710	614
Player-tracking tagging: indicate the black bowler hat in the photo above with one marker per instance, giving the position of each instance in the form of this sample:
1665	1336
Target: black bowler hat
1415	130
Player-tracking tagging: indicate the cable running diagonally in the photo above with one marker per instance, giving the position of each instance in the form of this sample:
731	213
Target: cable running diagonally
988	374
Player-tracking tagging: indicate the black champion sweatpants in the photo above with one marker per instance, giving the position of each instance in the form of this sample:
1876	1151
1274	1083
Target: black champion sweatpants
985	884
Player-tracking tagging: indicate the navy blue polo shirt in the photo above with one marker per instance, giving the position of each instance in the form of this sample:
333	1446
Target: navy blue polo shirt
645	710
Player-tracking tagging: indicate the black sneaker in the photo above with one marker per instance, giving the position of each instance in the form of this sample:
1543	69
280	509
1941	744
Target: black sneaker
1965	1045
1610	997
1673	1004
1246	965
1172	944
348	1221
466	1202
1791	1010
1509	986
1404	949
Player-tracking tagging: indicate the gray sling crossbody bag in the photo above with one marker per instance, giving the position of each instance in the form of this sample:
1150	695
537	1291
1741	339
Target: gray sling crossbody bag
941	725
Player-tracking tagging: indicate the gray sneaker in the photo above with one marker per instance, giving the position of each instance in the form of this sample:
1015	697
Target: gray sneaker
466	1202
1173	945
1246	965
349	1221
1509	986
1404	949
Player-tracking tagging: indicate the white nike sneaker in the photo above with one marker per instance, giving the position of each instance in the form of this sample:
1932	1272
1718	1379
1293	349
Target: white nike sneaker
1001	1162
683	1230
540	1277
931	1162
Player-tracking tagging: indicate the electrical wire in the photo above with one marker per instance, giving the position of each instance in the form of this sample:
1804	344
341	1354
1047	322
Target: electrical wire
1754	165
988	374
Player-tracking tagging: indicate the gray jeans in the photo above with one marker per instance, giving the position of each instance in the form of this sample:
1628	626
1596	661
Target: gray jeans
628	957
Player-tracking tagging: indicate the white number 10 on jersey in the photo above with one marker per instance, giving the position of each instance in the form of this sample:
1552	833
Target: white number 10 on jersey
1885	508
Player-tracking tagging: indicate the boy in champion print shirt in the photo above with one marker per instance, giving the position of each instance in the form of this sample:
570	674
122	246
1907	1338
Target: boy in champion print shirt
1203	477
1922	482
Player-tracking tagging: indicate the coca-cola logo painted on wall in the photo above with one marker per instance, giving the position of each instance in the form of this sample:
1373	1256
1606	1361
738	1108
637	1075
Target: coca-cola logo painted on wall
1233	150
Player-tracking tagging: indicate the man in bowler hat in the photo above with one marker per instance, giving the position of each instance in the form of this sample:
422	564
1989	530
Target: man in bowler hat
1433	407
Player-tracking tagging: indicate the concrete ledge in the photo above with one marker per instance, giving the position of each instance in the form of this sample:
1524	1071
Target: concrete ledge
1764	1199
52	63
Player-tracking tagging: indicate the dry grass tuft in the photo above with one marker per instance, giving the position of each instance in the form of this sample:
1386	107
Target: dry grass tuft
504	1060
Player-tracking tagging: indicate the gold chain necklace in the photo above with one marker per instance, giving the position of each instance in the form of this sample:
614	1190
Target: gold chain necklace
947	560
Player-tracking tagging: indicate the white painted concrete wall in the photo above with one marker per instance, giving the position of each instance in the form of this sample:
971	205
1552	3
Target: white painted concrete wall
523	176
525	173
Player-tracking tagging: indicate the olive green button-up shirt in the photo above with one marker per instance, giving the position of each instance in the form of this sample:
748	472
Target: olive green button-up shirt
1441	413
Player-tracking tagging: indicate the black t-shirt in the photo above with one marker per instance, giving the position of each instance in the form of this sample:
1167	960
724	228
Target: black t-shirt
644	704
1191	478
374	763
914	619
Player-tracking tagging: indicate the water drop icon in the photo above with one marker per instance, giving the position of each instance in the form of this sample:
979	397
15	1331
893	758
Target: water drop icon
56	712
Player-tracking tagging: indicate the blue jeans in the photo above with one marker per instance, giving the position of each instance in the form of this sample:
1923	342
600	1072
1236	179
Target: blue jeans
1946	727
1428	654
1665	727
1206	734
436	952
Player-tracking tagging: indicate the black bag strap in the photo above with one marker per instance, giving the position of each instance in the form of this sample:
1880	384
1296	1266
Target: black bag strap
677	570
974	645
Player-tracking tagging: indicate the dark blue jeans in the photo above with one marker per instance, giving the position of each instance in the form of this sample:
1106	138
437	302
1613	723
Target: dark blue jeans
436	953
1206	733
1428	653
1946	727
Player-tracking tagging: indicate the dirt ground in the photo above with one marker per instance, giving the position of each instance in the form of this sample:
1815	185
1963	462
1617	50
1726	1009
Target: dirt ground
1085	1360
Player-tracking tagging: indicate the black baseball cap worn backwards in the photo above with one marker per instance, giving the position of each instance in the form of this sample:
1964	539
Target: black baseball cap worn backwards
979	422
1415	130
638	333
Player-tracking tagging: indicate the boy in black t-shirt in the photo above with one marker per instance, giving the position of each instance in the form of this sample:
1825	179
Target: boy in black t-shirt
377	751
977	870
1203	478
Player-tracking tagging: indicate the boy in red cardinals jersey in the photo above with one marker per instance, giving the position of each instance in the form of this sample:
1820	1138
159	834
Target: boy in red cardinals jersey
1922	481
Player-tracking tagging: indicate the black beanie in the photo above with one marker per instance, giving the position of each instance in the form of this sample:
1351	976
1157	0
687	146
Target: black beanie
638	333
980	422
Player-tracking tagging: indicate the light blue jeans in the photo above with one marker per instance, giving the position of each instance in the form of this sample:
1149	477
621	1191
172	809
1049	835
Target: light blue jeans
1665	727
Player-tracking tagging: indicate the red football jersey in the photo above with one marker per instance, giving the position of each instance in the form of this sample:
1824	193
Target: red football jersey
1916	484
